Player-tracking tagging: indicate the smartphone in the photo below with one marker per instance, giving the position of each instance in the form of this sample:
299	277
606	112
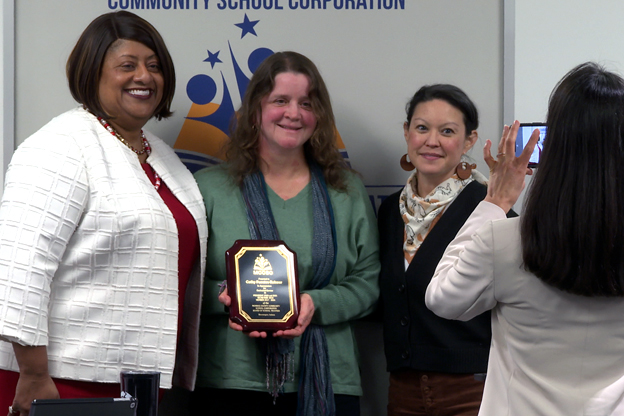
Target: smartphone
524	133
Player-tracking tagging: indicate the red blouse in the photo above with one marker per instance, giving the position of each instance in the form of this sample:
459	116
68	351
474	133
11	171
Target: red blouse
187	233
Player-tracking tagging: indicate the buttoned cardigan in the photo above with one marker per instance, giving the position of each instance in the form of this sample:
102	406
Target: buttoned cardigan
414	337
89	256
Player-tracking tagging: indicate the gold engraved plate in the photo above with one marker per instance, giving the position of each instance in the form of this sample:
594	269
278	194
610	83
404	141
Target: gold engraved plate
263	285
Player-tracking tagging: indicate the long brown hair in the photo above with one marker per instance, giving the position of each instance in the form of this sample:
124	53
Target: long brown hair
241	150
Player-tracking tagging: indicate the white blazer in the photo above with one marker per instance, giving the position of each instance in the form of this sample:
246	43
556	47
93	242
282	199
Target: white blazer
89	255
552	353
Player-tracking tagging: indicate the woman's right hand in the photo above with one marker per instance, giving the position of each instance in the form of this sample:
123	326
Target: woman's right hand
29	388
34	380
507	171
225	299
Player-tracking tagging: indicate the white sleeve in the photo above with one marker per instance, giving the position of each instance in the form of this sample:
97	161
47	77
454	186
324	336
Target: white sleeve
462	286
45	194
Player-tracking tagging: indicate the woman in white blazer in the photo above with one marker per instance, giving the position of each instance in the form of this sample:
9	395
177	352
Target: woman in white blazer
554	278
93	275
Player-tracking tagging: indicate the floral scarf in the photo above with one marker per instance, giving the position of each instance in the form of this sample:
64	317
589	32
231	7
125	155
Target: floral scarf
421	214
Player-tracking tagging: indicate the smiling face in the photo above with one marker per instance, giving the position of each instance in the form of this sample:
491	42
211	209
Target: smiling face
436	140
131	85
287	120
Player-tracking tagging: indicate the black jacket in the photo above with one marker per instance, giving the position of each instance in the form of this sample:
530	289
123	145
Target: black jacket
414	337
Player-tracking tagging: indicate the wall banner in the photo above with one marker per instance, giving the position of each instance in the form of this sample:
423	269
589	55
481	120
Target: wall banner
372	54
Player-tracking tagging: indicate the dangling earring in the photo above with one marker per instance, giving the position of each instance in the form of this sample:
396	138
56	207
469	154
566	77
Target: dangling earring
407	164
464	170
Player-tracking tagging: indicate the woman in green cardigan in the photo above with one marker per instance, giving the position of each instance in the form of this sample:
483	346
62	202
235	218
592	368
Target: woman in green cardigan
285	179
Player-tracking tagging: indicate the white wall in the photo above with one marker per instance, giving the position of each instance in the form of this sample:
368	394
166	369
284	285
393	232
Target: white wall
372	61
549	39
552	37
6	86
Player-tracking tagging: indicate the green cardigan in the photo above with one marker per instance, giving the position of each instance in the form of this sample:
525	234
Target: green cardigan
230	359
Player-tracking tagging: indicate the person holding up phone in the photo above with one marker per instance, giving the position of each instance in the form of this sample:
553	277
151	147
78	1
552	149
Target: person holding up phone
554	278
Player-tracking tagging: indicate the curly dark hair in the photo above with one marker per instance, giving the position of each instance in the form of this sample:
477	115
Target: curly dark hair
242	149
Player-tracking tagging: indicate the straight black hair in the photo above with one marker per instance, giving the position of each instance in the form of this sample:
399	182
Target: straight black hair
573	227
84	65
452	95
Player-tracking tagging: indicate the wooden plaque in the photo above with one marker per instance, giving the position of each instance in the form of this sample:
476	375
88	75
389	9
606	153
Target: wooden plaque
263	284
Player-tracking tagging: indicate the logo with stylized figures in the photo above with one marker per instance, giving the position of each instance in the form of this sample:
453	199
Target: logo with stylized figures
262	266
206	126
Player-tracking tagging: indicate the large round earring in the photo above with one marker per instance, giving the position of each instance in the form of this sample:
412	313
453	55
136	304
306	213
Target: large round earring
464	170
407	164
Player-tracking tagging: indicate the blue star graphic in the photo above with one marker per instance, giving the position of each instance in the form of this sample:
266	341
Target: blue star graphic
213	58
247	26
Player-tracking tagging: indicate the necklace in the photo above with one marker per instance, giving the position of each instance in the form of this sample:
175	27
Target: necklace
146	147
156	180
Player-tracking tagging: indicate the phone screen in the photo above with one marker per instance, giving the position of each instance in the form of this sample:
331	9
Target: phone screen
524	133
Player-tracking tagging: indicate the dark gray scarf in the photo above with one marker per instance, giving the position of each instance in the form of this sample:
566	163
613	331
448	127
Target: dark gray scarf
316	396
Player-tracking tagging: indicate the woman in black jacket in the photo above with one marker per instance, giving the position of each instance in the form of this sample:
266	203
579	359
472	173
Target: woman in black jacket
436	366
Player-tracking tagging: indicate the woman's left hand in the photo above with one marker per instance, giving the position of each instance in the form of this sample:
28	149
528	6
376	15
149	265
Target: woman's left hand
305	317
508	171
